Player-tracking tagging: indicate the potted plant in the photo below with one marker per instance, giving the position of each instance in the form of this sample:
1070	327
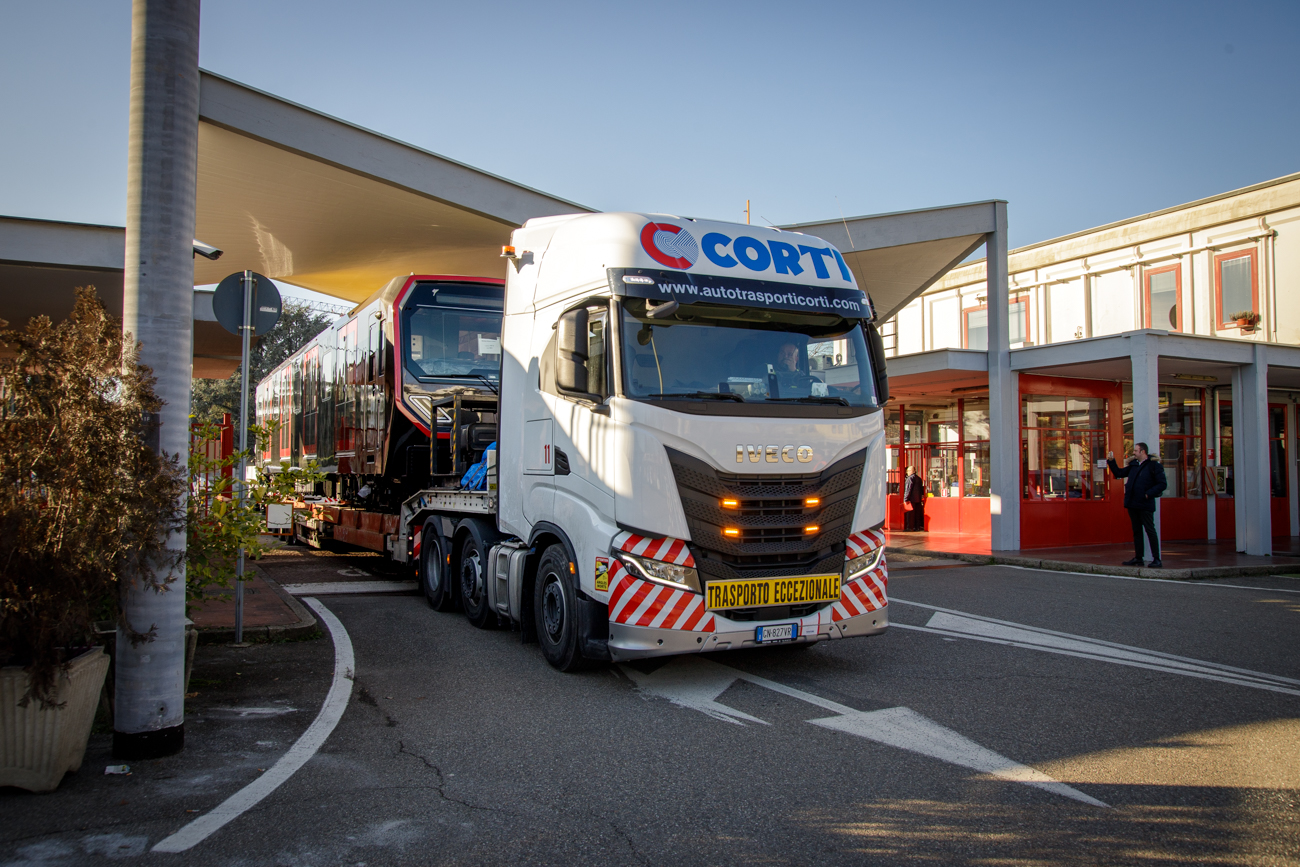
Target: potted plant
1246	319
85	504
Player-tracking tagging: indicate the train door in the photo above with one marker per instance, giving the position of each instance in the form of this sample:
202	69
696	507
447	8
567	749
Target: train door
284	385
310	401
345	397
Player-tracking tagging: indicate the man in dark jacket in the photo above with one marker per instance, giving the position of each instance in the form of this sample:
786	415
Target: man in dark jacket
1144	482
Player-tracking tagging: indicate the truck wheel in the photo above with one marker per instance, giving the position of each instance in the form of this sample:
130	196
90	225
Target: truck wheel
472	572
555	609
433	576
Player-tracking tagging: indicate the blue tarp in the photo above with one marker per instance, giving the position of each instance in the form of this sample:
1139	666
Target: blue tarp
475	478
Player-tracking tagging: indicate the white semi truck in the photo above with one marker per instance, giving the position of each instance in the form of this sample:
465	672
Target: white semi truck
689	443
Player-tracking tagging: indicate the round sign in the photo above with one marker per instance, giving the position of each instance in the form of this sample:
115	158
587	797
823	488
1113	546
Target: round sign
228	303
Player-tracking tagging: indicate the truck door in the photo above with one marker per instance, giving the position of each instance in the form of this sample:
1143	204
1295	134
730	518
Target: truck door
582	430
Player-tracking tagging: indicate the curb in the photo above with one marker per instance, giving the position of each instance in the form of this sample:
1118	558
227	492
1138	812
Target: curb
1100	569
305	626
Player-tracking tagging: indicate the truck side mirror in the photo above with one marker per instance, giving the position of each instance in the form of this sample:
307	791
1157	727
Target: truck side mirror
571	351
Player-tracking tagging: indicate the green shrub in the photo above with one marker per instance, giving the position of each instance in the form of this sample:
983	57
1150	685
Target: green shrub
85	503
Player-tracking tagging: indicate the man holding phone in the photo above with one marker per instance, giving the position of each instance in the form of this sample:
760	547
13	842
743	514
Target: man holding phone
1144	482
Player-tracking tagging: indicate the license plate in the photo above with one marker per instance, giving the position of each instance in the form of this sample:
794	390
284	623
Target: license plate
757	592
779	632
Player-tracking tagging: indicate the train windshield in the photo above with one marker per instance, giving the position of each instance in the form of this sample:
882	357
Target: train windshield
453	332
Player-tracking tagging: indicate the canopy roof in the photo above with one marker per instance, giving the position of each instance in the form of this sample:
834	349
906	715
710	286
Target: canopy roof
297	195
895	257
315	201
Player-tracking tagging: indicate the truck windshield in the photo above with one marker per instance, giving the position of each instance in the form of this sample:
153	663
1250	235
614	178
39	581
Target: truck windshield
453	334
713	352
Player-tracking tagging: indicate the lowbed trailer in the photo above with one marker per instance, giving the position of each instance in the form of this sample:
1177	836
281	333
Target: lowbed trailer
689	446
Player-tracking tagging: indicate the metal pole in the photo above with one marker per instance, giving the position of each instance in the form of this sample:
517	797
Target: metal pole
158	311
245	331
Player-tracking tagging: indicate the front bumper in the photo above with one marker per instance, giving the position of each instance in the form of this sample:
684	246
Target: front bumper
637	642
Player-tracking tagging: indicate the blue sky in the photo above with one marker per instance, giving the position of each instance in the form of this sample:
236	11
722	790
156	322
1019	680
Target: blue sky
1076	114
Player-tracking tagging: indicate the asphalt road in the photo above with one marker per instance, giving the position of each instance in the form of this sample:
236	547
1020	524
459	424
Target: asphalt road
997	722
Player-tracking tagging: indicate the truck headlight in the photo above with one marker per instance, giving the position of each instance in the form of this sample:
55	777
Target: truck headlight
660	572
859	566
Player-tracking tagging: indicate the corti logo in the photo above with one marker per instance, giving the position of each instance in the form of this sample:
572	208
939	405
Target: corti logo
669	245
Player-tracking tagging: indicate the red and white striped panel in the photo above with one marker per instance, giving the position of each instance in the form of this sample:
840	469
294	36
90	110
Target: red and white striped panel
864	542
866	593
667	549
644	603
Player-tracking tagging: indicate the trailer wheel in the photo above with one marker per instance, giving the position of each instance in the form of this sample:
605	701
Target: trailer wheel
433	577
472	572
555	609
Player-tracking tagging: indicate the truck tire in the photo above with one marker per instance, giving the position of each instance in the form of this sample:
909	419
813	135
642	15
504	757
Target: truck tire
471	575
433	575
555	610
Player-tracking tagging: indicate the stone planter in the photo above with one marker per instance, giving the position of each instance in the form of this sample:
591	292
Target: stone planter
37	747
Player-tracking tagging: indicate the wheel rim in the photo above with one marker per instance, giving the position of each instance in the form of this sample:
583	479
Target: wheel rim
553	608
471	578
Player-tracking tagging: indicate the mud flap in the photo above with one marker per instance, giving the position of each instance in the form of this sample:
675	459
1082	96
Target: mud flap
593	628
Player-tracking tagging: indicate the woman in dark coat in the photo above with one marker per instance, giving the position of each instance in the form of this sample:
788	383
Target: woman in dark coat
914	493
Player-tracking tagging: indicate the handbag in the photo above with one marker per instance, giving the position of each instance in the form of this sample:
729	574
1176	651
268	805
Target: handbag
907	506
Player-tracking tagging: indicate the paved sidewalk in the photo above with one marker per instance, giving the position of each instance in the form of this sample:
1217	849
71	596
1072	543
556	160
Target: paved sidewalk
270	609
247	705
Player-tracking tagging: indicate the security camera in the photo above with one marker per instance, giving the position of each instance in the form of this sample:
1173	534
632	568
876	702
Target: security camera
207	251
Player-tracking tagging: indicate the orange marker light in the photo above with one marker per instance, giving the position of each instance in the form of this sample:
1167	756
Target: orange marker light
730	503
812	501
731	532
812	528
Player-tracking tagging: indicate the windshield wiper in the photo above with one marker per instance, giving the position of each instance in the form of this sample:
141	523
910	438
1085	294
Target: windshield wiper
480	377
838	401
702	395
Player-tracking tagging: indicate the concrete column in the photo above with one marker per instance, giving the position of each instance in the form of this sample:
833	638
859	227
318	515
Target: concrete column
1250	445
157	311
1144	360
1004	397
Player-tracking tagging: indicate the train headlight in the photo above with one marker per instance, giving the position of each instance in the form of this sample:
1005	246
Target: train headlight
859	566
660	572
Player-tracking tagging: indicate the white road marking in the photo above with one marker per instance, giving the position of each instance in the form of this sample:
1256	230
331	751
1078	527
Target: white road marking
1205	582
259	712
695	683
302	750
959	624
906	729
338	588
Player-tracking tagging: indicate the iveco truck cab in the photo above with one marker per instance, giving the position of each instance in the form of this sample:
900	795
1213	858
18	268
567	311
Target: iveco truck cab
691	415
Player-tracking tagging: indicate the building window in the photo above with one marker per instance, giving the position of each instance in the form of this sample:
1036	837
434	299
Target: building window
947	443
1063	439
1235	289
1225	446
1277	467
1182	414
1163	287
975	324
975	447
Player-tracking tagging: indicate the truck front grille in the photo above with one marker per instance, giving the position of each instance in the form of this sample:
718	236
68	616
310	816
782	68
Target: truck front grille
770	517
